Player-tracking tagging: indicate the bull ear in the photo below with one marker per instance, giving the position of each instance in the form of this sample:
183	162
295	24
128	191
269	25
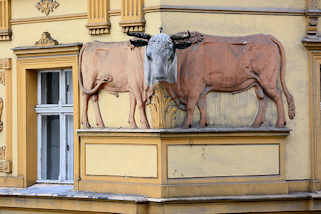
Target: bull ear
183	45
138	43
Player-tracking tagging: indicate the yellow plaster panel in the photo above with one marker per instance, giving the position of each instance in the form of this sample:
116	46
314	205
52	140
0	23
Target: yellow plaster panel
121	160
27	9
298	4
186	161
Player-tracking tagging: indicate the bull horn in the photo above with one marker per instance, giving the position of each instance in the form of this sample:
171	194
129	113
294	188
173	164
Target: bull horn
139	35
179	36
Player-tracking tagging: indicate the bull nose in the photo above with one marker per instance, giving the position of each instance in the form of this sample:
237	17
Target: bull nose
160	78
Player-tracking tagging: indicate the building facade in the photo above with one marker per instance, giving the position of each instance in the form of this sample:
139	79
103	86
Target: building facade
128	152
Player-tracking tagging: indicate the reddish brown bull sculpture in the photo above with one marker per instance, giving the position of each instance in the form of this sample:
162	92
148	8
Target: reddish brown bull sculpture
222	64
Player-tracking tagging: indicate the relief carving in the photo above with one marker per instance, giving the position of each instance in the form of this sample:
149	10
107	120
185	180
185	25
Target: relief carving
217	64
46	40
2	78
189	66
47	6
2	152
162	109
1	111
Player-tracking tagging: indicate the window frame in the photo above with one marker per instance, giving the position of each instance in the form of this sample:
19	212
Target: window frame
29	60
63	110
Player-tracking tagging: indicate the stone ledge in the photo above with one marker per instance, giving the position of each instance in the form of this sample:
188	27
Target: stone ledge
55	191
219	132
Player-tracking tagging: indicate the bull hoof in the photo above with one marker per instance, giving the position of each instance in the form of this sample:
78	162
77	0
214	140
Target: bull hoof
280	125
256	125
203	125
85	125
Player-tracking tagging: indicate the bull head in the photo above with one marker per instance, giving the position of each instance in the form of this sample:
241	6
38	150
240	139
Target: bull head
160	62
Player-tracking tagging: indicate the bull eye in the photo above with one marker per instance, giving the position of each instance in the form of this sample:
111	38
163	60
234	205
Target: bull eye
149	57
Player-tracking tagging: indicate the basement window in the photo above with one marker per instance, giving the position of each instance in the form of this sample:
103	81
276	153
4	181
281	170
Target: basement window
55	126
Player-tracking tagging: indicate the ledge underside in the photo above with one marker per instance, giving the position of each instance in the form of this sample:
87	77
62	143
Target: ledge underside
67	192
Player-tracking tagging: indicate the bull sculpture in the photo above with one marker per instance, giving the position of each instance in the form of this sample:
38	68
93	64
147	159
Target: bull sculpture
115	67
217	64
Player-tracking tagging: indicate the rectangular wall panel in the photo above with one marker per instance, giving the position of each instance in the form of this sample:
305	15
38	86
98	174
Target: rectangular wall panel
121	160
188	161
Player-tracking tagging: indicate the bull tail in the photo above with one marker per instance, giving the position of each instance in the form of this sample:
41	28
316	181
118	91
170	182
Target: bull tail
289	97
80	79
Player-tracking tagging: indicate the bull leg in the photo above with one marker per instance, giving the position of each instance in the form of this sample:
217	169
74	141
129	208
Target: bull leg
259	119
190	110
142	106
131	119
276	96
99	120
84	113
201	104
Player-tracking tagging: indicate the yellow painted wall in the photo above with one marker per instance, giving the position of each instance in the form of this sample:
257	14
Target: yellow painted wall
223	110
222	160
121	160
298	4
27	8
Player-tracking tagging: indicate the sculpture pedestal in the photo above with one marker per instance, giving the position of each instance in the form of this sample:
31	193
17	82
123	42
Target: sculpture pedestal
164	163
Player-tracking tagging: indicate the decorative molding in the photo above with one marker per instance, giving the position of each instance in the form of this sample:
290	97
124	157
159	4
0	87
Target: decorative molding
163	109
132	16
2	152
5	64
2	78
5	165
312	15
46	40
5	16
1	111
47	6
98	17
41	19
226	10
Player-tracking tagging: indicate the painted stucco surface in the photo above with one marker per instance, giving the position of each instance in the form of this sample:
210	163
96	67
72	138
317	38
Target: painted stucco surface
222	160
297	4
224	110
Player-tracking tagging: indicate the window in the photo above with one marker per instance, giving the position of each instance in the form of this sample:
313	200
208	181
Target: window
55	126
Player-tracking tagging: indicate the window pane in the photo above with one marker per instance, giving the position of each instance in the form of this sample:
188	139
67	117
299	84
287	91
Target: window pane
53	146
50	88
70	146
69	87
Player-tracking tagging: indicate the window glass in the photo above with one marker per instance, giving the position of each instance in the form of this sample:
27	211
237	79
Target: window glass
70	146
49	87
52	139
69	87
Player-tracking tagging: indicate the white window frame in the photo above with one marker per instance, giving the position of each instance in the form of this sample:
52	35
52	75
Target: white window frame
63	110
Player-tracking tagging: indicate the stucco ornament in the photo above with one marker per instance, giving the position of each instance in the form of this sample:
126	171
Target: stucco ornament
46	40
2	78
217	64
47	6
1	111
